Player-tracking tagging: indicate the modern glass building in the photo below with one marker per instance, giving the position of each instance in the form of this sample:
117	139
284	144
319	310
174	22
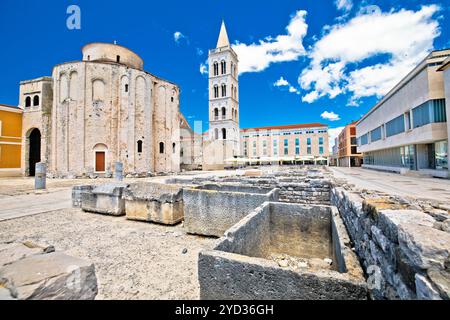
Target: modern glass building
408	129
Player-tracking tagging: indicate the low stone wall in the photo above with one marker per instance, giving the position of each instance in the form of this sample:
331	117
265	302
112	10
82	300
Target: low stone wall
404	252
272	254
210	210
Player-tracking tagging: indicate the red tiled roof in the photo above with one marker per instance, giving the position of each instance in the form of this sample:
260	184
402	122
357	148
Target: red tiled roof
294	126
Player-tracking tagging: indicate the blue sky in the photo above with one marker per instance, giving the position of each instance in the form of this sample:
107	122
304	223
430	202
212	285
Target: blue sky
302	61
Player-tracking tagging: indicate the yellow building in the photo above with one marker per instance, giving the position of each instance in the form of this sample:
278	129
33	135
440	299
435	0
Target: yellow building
10	140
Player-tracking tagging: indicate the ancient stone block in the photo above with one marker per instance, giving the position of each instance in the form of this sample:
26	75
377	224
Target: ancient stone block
105	199
424	246
154	202
77	191
211	209
244	266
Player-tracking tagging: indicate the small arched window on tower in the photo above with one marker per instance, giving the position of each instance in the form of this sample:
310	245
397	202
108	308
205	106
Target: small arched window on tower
174	147
224	134
126	88
36	101
223	64
216	69
216	134
216	114
118	59
232	68
224	90
216	91
224	113
161	147
27	102
139	146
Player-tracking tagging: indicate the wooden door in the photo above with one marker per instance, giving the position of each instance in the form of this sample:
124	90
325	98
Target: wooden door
100	161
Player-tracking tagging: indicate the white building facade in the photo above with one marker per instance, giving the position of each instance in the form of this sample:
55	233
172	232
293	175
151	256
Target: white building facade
408	129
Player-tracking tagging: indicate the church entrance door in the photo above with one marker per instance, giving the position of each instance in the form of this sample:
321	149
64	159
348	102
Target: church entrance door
100	161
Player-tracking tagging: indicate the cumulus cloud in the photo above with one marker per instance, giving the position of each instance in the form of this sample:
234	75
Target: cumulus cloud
344	5
259	56
284	83
203	68
331	116
341	59
177	36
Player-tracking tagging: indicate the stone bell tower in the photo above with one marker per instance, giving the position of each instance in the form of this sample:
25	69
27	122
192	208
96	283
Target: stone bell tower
224	133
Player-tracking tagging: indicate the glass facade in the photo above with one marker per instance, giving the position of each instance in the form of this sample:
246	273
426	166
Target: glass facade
432	111
441	155
395	126
403	157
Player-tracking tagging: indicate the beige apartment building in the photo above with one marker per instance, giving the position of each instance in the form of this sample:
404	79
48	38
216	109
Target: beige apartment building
292	144
347	148
408	129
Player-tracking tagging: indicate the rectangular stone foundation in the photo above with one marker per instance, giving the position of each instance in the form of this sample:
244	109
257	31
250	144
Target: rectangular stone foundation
154	202
105	199
210	210
77	192
244	265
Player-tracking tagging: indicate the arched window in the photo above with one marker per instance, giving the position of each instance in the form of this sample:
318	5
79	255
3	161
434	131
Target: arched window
216	114
161	147
174	147
216	69
139	146
224	90
235	93
36	101
232	68
224	134
118	59
126	88
28	102
223	64
216	134
224	113
216	91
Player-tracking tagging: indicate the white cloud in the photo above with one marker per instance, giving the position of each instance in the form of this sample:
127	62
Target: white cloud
333	134
177	36
401	39
282	82
344	5
203	68
258	56
199	51
331	116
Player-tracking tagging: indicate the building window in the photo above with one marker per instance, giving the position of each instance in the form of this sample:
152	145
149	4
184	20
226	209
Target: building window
275	147
126	88
264	148
139	146
28	102
224	113
161	147
174	147
216	69
224	67
364	139
216	134
35	101
216	114
441	155
408	124
297	146
254	148
216	91
430	112
286	147
321	140
375	135
224	134
224	90
118	59
395	126
321	149
171	99
245	148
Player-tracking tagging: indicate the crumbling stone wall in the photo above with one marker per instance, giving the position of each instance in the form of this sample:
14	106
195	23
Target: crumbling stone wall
404	252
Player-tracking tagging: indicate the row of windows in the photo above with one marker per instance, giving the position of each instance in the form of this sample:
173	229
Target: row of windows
286	147
28	101
223	68
255	135
161	147
432	111
234	113
223	131
224	91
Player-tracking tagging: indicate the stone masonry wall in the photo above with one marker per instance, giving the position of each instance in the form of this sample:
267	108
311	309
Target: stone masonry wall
404	252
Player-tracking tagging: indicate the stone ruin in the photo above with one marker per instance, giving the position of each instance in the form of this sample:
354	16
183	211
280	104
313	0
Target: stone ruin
32	272
211	209
402	246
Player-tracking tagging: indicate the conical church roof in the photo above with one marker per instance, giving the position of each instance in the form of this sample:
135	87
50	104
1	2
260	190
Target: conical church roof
223	37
